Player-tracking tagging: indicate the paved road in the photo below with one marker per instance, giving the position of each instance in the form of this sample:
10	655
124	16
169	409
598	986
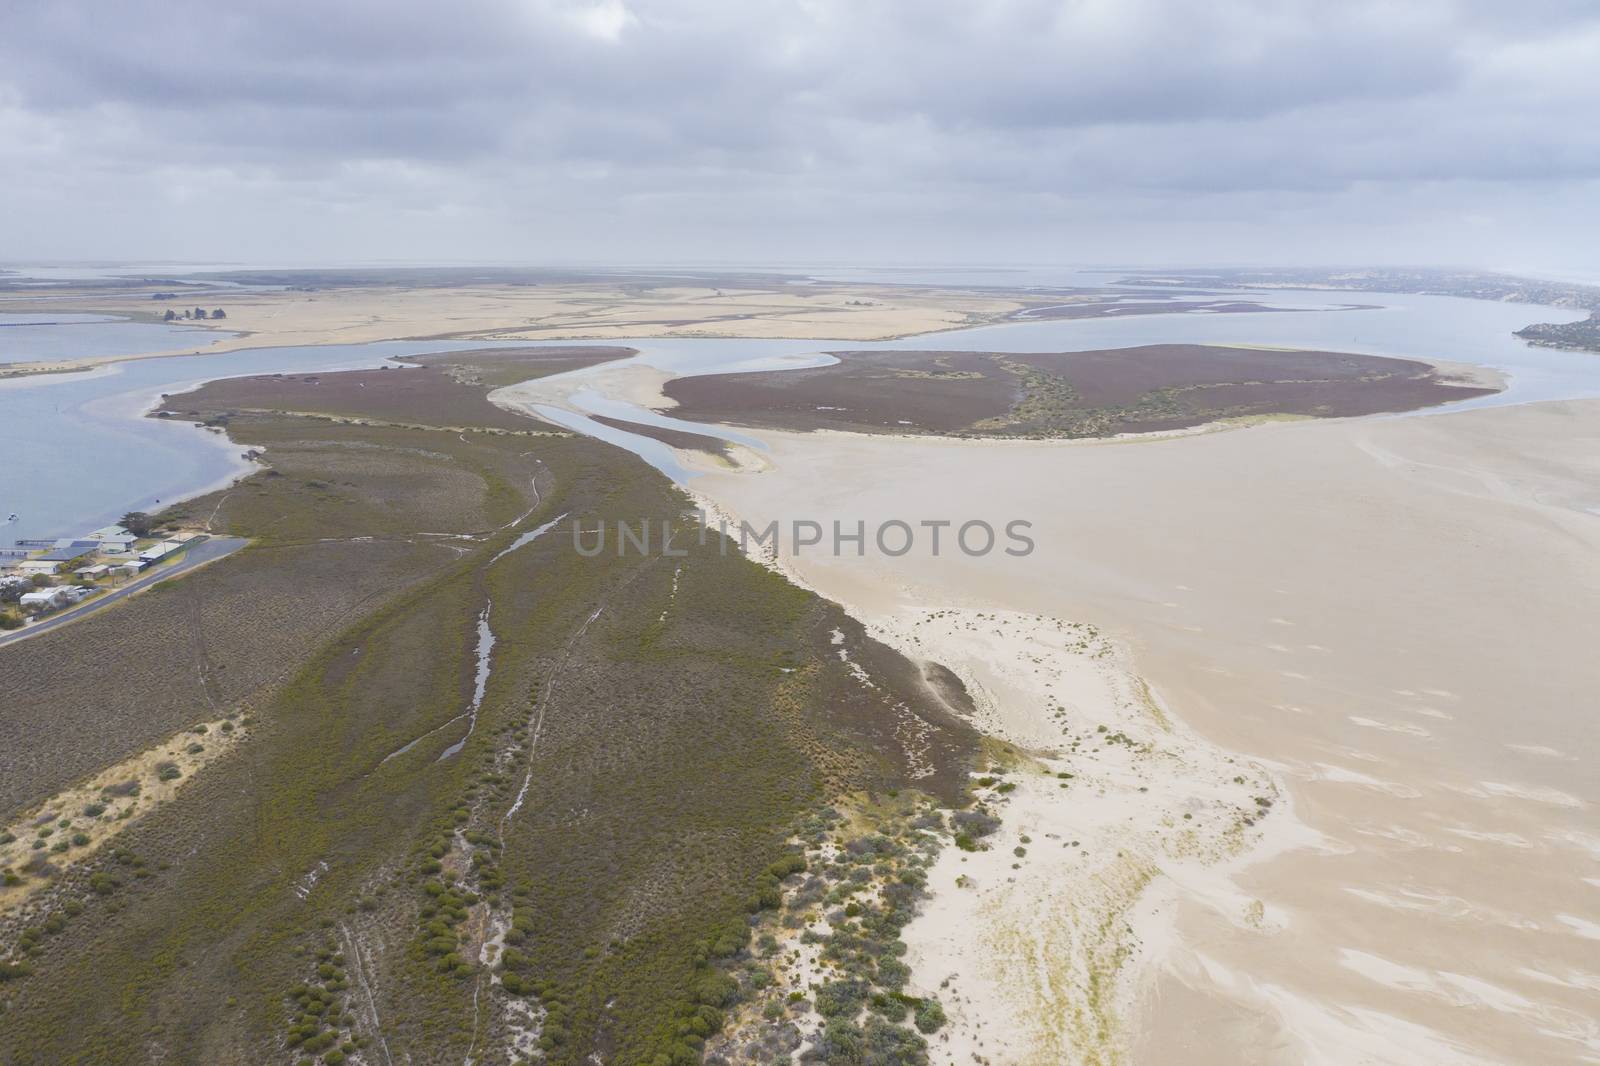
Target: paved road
197	554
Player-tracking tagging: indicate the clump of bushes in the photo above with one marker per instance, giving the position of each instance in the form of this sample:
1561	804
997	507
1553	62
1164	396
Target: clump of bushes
975	823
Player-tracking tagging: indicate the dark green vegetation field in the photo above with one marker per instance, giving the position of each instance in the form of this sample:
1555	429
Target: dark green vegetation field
580	878
1062	394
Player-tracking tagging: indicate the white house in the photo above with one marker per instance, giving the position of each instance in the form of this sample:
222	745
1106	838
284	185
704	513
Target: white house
108	533
98	570
117	545
157	552
44	599
29	567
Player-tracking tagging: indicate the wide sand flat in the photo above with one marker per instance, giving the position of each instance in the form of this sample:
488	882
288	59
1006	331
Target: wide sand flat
546	312
1393	620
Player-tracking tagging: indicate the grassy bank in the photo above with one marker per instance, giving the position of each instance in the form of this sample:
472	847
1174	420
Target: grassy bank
578	878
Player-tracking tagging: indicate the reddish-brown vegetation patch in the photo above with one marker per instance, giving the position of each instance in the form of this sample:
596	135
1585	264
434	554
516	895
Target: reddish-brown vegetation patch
448	389
1063	394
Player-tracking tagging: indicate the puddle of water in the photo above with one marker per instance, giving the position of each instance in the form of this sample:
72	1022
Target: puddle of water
485	648
526	538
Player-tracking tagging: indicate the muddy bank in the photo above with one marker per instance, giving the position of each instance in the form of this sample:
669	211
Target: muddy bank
676	438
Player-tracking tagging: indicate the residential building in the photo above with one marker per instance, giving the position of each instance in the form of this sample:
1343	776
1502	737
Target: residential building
157	552
44	599
66	551
109	533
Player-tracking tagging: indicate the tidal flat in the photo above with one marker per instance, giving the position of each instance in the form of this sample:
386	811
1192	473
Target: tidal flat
1378	626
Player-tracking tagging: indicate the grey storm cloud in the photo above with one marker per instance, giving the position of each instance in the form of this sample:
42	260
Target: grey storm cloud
537	128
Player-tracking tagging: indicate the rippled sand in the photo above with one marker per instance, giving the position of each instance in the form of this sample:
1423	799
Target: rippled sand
1396	619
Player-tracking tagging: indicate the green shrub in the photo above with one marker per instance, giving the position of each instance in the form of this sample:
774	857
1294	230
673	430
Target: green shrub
930	1016
841	999
716	990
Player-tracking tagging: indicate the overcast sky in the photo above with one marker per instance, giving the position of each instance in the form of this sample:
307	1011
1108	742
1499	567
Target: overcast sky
565	131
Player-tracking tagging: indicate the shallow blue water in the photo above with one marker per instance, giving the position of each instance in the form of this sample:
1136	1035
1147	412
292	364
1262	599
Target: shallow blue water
76	453
1426	327
26	338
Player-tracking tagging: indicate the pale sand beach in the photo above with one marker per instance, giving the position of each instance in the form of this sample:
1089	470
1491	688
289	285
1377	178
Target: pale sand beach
1384	628
257	319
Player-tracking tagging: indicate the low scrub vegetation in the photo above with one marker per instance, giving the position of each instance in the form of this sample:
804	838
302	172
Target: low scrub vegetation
588	873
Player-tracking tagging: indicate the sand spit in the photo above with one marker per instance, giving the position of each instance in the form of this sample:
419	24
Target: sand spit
1394	617
637	383
1039	939
1039	943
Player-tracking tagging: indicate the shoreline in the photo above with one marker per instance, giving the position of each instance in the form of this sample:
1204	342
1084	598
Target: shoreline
1063	983
513	315
1283	657
1389	764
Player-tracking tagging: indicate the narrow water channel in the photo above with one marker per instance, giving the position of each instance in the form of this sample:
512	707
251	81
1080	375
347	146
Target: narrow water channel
485	649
